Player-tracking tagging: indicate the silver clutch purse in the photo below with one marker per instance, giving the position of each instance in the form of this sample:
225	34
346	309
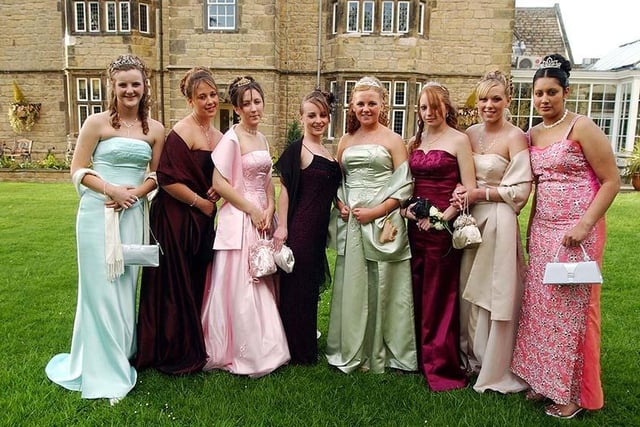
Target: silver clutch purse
572	273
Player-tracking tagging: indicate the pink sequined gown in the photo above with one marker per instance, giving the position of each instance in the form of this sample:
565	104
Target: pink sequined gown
557	349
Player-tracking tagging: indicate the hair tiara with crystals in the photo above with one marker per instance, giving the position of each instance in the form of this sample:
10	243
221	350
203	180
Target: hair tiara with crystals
243	82
435	84
368	81
125	61
550	63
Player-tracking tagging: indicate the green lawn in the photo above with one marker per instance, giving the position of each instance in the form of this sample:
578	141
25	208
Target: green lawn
38	293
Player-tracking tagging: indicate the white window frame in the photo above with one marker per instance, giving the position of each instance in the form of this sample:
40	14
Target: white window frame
124	14
400	86
88	97
143	18
406	20
348	88
421	10
383	14
80	17
372	6
222	5
334	22
402	123
387	86
94	6
111	14
350	5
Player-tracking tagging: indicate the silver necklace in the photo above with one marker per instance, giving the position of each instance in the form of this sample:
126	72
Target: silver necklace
248	130
554	124
484	149
128	125
205	129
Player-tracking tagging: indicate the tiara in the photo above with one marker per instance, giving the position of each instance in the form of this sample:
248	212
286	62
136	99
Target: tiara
125	61
368	81
243	82
550	63
435	84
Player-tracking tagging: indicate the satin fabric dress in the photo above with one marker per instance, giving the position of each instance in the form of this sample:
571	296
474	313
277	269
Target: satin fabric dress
242	329
310	199
104	329
371	319
435	270
491	274
169	329
557	348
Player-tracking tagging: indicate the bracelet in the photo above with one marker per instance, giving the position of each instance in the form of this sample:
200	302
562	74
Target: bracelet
104	189
195	200
486	194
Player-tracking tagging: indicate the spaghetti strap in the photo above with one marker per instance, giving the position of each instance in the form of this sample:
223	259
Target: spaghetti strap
570	128
307	148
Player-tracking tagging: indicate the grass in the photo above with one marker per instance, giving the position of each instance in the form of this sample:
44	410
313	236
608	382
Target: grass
38	293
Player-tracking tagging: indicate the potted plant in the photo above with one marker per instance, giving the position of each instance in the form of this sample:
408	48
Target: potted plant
632	168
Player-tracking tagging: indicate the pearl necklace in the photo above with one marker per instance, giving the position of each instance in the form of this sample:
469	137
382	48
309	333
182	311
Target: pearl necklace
128	125
249	131
484	149
554	124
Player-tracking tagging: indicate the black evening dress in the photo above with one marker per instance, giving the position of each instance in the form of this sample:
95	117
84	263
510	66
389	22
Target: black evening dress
311	193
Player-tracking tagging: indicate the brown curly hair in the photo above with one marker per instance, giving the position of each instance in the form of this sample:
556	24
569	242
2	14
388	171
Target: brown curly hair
368	83
125	63
437	95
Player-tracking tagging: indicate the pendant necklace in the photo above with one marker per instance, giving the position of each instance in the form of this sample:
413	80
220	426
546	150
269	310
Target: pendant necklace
554	124
205	129
484	149
128	125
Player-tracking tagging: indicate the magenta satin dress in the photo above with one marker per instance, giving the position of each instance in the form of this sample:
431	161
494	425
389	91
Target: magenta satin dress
435	271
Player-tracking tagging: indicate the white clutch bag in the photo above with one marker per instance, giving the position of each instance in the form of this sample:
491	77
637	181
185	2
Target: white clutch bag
572	273
284	259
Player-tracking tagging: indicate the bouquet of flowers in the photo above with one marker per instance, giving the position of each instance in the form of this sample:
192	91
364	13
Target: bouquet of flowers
423	208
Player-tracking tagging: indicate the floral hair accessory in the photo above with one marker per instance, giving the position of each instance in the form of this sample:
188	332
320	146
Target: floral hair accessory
368	81
550	63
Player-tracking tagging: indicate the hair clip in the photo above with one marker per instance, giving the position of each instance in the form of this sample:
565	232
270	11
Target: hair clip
368	81
550	63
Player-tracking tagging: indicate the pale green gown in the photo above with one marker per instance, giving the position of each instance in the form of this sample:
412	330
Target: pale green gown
371	324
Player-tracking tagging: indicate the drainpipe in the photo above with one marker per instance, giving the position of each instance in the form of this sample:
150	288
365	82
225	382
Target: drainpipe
161	60
319	46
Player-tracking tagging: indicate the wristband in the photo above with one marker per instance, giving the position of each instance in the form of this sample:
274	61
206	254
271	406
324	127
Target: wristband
486	194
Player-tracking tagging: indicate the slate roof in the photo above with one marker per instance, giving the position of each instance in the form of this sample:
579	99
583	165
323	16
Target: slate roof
542	30
626	56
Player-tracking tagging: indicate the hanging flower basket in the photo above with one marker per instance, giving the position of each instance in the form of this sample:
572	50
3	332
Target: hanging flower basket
23	115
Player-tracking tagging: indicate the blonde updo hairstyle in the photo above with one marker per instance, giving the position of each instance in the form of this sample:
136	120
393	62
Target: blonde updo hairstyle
125	63
493	79
368	83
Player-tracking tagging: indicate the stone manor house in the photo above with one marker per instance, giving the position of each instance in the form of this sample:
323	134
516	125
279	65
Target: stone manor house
56	52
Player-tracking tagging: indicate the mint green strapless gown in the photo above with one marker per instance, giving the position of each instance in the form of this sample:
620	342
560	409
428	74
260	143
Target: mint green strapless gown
104	328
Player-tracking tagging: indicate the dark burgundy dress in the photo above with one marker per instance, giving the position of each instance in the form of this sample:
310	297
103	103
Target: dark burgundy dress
315	189
435	271
169	333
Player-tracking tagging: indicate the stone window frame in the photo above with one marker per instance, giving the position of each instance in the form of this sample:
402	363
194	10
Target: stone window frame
89	97
224	4
108	17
